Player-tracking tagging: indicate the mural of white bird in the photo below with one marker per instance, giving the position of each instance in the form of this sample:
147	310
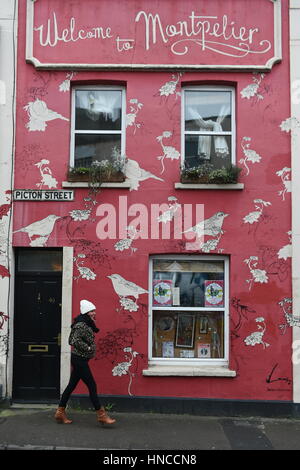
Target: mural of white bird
134	174
124	288
39	114
211	226
41	228
169	214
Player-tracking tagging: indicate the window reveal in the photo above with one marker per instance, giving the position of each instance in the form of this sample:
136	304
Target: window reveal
98	125
188	309
208	127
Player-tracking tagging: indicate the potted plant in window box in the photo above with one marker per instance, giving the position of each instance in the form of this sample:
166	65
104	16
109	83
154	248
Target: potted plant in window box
104	171
206	174
198	174
78	174
225	175
107	171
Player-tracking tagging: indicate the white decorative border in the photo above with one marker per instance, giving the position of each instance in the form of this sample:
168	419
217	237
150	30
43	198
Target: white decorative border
66	316
63	66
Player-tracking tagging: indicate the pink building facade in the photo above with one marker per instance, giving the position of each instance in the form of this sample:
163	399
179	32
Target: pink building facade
189	265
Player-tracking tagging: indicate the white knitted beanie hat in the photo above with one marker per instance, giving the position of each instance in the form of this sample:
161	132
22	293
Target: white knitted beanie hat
86	306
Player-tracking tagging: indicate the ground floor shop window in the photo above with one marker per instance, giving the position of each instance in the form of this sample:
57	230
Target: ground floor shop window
188	302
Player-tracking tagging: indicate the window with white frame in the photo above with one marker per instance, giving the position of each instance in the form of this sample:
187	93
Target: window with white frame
98	125
188	309
208	126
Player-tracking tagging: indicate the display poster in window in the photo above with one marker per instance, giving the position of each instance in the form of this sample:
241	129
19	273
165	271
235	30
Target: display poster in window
176	295
162	292
185	330
186	353
167	349
214	293
203	350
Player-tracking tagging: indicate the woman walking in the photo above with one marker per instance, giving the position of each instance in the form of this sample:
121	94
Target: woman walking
82	339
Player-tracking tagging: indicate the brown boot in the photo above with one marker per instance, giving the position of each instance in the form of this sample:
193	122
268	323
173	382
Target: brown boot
103	417
61	416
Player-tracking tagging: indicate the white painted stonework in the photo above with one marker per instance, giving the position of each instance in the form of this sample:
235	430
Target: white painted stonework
8	26
171	370
66	316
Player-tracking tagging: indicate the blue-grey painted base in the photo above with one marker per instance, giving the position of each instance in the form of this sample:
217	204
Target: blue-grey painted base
194	406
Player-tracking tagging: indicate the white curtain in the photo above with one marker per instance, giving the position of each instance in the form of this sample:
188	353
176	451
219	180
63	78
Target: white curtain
96	103
204	141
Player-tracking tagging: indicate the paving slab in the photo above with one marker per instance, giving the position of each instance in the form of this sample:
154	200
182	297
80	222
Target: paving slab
36	429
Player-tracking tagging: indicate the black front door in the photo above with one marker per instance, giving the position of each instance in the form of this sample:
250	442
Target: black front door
37	326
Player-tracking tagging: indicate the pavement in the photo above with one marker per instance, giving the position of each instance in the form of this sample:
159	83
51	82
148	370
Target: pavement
33	428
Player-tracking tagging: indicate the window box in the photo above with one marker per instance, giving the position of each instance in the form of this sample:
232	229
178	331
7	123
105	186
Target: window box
206	174
87	175
188	321
78	176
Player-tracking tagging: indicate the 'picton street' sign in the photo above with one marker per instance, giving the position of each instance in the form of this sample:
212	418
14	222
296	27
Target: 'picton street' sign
43	195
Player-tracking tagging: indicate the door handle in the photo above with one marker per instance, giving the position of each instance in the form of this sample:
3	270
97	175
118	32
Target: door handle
38	347
58	337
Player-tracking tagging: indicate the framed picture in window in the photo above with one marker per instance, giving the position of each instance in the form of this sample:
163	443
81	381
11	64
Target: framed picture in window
185	330
203	324
166	324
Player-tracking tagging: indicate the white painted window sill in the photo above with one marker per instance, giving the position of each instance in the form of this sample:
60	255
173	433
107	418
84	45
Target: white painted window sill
188	371
236	186
80	184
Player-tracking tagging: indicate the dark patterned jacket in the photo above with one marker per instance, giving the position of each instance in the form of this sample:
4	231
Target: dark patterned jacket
82	339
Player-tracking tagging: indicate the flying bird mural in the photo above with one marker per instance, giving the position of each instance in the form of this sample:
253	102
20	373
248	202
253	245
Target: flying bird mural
39	114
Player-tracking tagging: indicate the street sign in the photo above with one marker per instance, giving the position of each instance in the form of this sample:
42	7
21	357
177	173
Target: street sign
43	195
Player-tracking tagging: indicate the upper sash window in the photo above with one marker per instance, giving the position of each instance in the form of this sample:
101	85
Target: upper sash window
208	127
98	125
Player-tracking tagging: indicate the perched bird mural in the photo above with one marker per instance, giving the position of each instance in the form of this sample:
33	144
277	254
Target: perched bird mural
124	288
134	174
211	227
39	114
39	231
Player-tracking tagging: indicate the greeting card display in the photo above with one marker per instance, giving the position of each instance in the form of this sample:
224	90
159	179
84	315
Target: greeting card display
162	292
214	293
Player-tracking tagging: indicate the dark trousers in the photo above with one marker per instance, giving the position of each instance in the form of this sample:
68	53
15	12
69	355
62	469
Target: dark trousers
81	371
